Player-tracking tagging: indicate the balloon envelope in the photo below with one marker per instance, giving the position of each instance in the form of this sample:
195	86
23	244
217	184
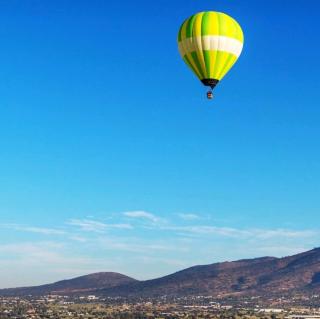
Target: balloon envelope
210	43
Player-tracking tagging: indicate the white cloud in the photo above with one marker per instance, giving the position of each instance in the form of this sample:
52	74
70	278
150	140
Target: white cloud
88	225
95	226
189	216
32	229
34	251
168	261
243	233
283	233
136	245
78	238
207	230
280	250
33	263
88	245
142	214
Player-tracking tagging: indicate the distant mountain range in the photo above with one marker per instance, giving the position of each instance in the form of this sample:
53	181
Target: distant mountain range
261	276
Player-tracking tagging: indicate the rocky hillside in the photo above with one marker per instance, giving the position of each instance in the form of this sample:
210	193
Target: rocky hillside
83	284
261	276
244	277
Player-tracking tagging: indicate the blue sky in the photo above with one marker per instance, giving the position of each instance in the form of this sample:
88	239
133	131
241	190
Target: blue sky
111	158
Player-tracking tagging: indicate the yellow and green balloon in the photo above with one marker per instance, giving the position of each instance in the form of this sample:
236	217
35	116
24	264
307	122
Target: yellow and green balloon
210	43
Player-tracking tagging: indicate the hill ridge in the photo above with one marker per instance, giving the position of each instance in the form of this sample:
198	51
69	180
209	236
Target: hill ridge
264	275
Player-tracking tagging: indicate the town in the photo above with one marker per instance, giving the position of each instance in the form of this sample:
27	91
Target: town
95	307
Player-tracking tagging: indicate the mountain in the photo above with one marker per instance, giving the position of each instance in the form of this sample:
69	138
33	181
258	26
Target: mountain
83	284
261	276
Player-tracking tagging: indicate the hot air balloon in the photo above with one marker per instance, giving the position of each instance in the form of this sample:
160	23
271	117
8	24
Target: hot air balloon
210	43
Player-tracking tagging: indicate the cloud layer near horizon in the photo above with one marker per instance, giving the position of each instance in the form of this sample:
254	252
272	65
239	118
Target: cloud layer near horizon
137	243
